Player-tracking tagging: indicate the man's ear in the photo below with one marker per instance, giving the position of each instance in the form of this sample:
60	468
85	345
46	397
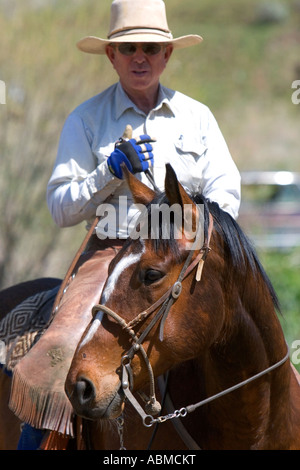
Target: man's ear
110	52
168	52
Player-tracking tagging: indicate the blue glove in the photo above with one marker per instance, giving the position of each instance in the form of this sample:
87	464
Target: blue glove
137	155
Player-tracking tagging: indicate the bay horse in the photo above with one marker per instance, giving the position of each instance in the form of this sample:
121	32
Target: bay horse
212	339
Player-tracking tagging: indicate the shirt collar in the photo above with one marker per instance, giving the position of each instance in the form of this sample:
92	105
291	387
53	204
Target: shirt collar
123	102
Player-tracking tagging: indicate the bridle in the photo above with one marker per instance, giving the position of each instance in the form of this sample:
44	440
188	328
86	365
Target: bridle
152	406
165	303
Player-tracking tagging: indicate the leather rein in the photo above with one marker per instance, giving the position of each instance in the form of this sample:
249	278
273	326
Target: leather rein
152	406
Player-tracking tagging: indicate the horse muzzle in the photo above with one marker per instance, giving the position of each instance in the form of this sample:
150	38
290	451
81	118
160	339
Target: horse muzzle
83	397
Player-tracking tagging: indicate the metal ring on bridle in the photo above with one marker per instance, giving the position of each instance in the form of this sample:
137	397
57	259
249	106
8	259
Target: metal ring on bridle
176	289
125	360
151	421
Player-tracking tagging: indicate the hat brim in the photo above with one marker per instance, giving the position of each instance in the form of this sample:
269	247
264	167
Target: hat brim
95	45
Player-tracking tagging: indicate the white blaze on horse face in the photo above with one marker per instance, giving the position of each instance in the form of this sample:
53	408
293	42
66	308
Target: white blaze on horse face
123	264
91	331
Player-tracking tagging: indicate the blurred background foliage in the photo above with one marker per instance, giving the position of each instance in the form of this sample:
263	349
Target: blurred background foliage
243	71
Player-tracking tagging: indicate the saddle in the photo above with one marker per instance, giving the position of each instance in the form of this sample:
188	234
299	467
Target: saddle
37	395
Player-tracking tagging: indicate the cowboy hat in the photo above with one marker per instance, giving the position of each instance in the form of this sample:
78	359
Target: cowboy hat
137	21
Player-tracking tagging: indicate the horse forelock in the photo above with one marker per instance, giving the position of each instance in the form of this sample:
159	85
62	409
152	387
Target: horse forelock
163	236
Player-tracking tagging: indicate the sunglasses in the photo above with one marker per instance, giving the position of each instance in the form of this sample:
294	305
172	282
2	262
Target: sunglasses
129	48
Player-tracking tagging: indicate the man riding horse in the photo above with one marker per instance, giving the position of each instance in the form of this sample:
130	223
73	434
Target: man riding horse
167	127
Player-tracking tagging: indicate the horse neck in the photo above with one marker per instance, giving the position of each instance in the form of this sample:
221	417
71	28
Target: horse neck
251	340
252	325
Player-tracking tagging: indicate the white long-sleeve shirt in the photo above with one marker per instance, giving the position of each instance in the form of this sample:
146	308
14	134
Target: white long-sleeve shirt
187	136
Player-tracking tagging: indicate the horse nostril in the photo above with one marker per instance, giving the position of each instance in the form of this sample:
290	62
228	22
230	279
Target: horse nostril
84	391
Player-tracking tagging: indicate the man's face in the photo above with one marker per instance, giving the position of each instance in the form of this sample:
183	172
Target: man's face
139	66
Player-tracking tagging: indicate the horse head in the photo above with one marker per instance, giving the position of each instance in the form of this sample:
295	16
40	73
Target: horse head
152	313
217	335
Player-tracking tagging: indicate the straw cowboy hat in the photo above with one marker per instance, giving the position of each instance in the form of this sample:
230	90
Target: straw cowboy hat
137	21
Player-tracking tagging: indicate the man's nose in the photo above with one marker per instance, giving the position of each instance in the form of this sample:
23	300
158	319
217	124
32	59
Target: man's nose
139	54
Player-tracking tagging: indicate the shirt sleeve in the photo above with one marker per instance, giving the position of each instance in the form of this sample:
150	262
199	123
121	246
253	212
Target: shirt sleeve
221	178
79	181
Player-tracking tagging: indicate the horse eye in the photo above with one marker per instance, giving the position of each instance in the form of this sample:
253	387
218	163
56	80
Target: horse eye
152	275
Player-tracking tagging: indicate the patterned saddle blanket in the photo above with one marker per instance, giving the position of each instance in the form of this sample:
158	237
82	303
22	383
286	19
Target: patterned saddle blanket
21	328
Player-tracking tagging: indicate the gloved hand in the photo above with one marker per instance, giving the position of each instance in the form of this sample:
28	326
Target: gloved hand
136	154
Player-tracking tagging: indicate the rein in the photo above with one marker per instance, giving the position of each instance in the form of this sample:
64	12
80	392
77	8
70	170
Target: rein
190	408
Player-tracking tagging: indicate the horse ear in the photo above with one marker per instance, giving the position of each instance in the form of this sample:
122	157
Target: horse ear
177	195
141	193
172	186
174	190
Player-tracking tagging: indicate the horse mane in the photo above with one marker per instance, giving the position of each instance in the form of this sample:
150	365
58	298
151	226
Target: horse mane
240	250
